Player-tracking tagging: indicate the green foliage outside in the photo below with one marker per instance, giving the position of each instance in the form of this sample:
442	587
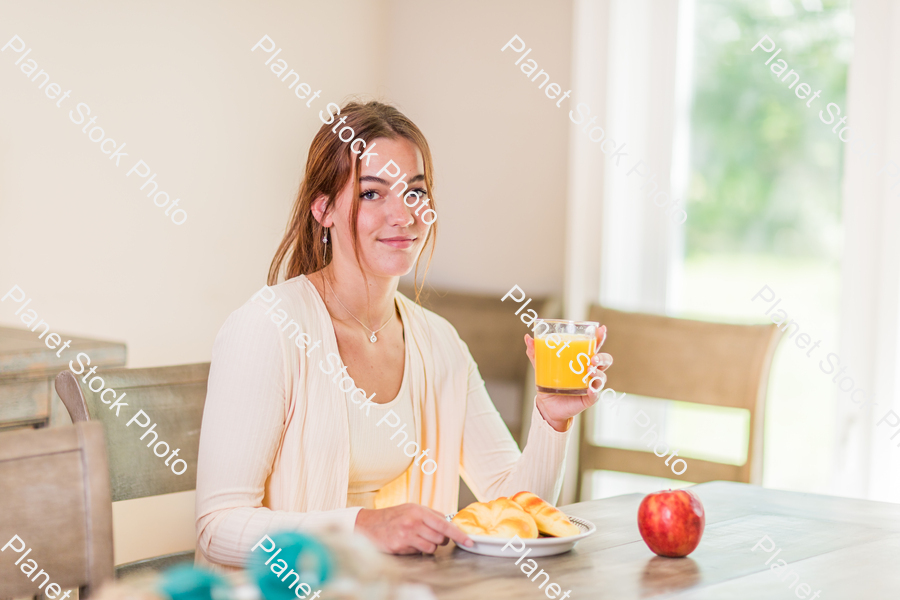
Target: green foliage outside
765	170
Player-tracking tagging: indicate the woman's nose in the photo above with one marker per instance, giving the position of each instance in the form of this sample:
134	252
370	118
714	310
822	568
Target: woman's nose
400	212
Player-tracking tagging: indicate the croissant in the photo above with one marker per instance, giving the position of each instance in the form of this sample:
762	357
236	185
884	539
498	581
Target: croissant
498	518
550	520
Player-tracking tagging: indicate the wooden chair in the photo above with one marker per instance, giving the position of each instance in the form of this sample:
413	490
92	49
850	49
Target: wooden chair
27	368
691	361
494	335
173	397
56	498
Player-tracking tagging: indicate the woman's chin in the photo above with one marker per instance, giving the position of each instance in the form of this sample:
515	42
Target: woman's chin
394	264
393	268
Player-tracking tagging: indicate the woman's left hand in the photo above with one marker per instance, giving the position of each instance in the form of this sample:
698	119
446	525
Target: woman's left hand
558	410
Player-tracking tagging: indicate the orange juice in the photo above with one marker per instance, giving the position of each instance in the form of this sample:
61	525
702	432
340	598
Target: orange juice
552	371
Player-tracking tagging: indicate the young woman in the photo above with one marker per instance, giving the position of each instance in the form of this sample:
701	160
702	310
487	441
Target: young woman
335	400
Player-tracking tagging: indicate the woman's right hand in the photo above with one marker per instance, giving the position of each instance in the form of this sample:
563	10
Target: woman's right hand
408	529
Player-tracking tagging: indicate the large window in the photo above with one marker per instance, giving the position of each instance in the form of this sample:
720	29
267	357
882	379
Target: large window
763	198
764	203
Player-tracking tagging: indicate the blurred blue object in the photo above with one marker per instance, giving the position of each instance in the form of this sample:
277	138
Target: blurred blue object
302	553
185	582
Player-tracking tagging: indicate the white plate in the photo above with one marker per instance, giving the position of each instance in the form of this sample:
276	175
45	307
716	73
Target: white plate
549	546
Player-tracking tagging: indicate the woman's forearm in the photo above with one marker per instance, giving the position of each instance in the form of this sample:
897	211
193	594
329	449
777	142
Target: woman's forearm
225	536
541	466
492	465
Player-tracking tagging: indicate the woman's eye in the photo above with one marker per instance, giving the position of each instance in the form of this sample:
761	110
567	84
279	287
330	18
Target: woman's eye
421	192
369	195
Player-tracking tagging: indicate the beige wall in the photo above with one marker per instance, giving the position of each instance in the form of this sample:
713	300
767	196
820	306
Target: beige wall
178	84
500	145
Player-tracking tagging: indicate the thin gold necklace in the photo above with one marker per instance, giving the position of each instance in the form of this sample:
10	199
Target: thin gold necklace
373	338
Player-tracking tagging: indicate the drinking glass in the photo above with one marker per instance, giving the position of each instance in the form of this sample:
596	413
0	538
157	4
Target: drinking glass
558	342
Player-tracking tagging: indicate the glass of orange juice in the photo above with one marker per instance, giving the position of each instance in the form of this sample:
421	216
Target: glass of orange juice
558	344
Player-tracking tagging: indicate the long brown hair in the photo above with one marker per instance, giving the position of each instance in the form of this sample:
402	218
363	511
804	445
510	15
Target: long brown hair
328	168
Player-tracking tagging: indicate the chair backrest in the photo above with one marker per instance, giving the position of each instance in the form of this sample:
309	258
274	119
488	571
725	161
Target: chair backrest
493	333
172	398
488	327
27	368
692	361
55	501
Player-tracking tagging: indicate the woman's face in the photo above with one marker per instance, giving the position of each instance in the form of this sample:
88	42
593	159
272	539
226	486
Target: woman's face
391	235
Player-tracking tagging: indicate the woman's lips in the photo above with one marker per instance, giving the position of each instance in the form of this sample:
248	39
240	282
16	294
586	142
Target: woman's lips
399	242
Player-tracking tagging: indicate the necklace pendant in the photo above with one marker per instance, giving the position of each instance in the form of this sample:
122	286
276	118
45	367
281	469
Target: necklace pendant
373	339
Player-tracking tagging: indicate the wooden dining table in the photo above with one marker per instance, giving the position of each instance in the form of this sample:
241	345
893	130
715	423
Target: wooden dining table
842	548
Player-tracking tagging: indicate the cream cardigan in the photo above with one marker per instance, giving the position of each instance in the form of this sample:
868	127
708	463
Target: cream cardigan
274	443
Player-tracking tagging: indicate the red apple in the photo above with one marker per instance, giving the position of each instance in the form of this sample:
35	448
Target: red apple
671	522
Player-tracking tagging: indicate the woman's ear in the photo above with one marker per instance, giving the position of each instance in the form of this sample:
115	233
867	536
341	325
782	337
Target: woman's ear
319	211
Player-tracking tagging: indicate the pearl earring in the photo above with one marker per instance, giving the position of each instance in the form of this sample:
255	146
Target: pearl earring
325	245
